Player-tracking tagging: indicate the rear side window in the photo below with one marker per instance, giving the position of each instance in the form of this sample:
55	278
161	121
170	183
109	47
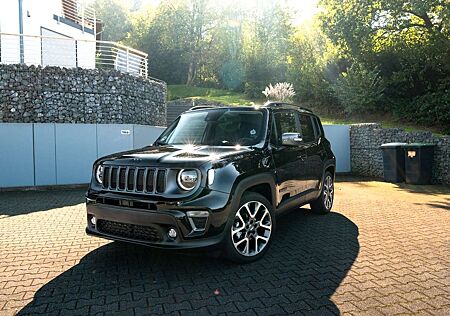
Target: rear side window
307	128
319	128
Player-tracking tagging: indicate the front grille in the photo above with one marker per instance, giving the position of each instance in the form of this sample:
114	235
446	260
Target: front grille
161	181
134	179
122	178
130	231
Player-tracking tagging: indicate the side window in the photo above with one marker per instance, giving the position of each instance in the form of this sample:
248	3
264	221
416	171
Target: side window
320	127
285	123
273	134
316	127
307	128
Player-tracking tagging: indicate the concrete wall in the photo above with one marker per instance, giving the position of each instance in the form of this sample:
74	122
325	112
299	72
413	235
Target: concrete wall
31	94
52	154
49	154
339	137
366	155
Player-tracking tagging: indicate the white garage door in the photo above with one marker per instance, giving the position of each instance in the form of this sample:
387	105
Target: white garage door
60	52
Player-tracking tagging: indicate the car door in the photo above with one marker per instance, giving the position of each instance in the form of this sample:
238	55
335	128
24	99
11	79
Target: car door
312	147
289	160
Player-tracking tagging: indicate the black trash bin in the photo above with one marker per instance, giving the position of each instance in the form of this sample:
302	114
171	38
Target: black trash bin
394	162
418	163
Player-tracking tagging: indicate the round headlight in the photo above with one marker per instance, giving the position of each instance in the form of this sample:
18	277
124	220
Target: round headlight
99	174
187	179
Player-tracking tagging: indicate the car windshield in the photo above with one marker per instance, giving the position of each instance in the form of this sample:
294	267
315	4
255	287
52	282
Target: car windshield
217	127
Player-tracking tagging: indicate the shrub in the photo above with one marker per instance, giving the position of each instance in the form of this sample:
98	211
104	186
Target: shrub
253	89
281	91
359	89
430	109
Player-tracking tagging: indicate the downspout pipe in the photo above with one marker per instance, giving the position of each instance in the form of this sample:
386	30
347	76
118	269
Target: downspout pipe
22	54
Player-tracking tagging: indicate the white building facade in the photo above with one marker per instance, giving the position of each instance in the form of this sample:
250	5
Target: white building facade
55	32
61	33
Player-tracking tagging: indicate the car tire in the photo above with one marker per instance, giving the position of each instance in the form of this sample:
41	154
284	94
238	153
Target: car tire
252	228
324	203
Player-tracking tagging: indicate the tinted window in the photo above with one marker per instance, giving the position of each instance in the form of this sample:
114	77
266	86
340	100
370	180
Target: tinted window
316	126
307	128
221	127
189	129
273	133
285	123
319	124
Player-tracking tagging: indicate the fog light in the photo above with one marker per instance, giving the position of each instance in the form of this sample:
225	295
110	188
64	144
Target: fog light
93	220
198	219
172	233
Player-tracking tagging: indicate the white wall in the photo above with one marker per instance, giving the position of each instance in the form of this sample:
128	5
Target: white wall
9	16
9	23
37	14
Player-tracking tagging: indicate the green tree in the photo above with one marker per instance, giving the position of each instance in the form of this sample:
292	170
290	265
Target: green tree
359	89
229	55
408	41
362	26
115	16
200	23
312	65
266	41
178	37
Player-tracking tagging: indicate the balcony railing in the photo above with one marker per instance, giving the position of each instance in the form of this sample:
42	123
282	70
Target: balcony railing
70	53
77	12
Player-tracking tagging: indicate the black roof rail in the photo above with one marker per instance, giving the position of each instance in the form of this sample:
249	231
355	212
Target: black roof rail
279	103
200	107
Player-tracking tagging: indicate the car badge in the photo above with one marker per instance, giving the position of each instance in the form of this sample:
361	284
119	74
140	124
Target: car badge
252	132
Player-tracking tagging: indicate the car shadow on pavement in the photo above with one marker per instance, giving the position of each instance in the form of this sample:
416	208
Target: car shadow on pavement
425	189
309	258
443	204
35	201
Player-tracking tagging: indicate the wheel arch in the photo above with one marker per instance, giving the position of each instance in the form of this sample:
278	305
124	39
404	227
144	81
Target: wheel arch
263	184
331	167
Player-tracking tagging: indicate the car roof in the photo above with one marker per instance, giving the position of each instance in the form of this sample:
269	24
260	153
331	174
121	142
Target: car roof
267	105
286	106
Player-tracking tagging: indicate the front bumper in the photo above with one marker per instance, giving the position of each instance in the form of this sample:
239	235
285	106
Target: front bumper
135	225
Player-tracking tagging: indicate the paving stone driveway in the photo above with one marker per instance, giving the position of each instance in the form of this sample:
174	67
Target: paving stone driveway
384	250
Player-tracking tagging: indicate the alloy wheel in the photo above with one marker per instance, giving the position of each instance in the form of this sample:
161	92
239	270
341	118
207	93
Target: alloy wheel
251	228
328	192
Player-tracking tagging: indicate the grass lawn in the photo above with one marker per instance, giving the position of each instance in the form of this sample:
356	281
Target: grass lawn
210	94
235	98
385	120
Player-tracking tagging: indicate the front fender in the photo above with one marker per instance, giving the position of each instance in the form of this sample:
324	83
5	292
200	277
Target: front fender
245	182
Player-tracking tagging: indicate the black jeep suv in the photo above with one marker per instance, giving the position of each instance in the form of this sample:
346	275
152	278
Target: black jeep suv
215	177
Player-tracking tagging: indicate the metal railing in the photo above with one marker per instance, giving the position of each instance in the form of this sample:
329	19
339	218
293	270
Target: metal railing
70	53
77	12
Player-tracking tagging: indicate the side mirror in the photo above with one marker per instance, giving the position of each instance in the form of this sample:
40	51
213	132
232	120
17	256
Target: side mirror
291	139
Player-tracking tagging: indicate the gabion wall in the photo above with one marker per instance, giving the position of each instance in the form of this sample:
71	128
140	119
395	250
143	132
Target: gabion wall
366	155
30	94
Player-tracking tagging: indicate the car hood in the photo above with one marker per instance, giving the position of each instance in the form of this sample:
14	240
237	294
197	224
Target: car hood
186	155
